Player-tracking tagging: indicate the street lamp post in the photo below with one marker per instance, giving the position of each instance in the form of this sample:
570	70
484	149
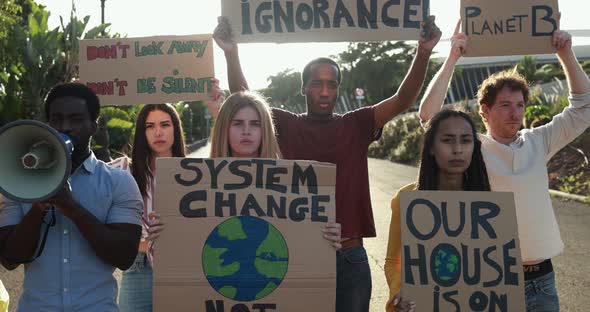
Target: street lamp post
102	16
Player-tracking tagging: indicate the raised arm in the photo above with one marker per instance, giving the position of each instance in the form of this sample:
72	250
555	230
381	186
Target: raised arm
223	36
216	98
412	83
434	96
575	118
577	79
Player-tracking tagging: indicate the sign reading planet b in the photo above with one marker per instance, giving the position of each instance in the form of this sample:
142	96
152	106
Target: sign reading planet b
245	258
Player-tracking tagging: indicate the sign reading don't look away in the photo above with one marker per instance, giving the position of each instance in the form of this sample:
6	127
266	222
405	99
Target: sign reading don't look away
325	20
460	251
148	70
244	235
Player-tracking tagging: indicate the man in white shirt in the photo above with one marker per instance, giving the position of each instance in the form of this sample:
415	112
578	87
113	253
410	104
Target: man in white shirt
516	160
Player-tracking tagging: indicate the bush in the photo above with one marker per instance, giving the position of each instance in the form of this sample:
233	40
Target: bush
120	125
400	140
408	151
535	112
543	105
576	184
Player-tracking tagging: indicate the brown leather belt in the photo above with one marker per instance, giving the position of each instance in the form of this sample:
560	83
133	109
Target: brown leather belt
352	242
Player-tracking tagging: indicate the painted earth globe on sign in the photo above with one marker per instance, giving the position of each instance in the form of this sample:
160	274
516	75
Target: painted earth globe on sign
446	264
245	258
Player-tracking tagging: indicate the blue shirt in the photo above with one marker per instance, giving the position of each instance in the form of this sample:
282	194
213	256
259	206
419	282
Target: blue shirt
68	276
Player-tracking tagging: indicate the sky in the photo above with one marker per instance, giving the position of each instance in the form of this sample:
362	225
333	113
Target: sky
140	18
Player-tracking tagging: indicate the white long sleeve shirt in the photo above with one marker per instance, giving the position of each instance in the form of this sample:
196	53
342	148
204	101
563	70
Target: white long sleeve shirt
521	167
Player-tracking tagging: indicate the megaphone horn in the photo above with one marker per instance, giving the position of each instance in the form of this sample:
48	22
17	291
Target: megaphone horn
35	162
40	156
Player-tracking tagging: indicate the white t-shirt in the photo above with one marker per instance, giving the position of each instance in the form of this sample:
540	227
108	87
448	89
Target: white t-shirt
521	167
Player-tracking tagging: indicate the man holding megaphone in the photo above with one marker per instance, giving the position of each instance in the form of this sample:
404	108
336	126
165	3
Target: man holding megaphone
71	238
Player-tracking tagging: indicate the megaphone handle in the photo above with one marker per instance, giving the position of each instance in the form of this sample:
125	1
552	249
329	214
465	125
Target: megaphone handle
51	223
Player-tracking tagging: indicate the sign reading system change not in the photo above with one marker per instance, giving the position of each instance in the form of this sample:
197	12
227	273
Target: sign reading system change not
244	235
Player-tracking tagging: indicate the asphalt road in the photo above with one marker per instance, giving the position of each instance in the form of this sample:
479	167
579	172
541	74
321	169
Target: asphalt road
572	269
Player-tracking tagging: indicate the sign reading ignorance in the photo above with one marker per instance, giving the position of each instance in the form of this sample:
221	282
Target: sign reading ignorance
325	20
244	235
150	70
460	251
508	27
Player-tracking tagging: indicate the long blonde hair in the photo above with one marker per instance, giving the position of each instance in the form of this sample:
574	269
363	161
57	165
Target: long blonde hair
269	148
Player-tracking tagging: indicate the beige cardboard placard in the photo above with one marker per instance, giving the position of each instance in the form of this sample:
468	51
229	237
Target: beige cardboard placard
509	27
244	235
325	20
460	251
148	70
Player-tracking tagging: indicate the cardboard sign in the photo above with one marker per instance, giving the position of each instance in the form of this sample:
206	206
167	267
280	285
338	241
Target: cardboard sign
460	251
325	20
508	27
244	235
149	70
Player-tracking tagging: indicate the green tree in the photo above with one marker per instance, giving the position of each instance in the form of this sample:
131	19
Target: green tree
38	47
284	91
530	69
10	16
377	67
527	67
36	58
549	72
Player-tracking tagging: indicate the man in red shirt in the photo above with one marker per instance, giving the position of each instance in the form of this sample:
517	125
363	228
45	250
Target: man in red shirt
343	140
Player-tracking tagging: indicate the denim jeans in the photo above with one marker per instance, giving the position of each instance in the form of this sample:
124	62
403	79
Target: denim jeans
541	294
135	294
353	280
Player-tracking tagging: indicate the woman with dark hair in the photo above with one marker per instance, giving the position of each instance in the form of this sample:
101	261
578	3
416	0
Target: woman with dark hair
452	161
433	174
158	133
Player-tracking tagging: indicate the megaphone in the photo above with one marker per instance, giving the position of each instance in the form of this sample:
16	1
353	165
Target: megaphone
35	162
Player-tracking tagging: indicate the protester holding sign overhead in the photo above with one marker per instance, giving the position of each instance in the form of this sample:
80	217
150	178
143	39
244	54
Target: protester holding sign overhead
158	133
516	159
450	160
343	140
244	129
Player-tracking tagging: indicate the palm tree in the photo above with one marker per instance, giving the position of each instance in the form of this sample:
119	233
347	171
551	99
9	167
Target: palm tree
527	67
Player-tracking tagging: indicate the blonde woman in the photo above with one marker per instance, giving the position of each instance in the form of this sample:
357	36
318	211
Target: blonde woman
244	128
